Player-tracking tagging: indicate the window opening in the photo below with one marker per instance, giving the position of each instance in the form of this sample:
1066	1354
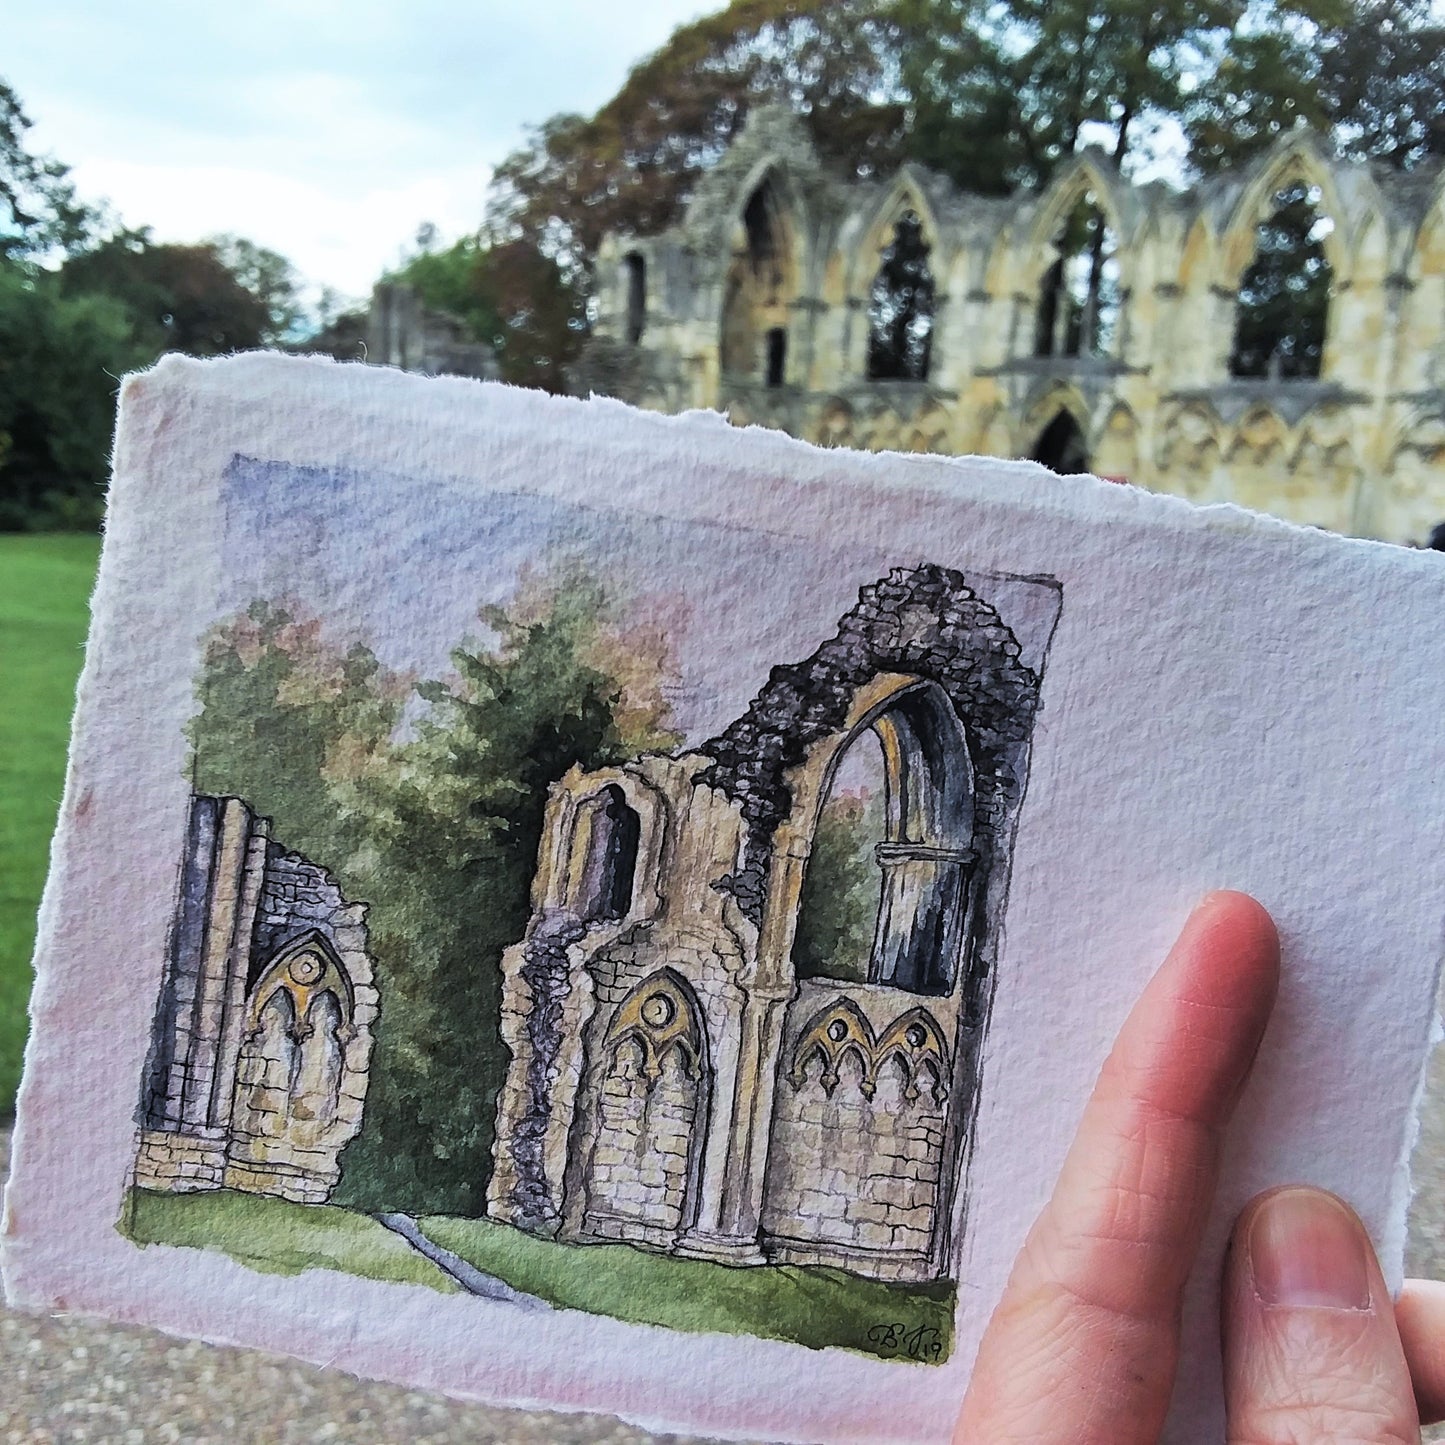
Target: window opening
1079	297
1284	294
885	897
777	355
901	306
608	831
636	268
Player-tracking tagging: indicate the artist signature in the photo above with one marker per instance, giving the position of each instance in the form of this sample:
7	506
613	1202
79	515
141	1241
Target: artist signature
923	1343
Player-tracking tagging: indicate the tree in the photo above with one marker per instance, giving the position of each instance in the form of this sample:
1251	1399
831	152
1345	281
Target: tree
519	301
270	278
437	827
632	164
181	298
1369	73
1284	294
39	212
59	357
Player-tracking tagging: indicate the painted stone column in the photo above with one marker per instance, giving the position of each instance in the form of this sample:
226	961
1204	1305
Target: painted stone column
730	1187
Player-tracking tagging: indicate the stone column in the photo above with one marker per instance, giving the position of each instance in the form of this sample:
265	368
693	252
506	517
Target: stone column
230	919
725	1226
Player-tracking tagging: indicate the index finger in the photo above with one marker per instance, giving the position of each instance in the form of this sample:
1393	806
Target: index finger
1084	1344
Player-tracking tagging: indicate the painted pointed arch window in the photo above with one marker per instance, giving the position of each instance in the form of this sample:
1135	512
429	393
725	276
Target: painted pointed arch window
901	306
1080	296
604	849
885	895
1282	312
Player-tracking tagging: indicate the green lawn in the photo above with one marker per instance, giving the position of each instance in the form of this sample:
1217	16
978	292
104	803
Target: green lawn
814	1307
278	1237
45	584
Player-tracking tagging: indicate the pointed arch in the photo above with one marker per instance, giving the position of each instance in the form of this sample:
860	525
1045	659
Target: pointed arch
1061	445
905	193
1297	160
645	1117
764	274
1075	265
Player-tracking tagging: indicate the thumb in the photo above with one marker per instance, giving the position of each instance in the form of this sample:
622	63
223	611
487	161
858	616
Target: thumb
1311	1352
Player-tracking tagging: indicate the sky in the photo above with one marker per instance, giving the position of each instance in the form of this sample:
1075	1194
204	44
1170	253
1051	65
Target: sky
328	131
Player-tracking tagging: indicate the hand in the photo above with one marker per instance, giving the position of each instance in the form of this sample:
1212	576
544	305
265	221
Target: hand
1083	1346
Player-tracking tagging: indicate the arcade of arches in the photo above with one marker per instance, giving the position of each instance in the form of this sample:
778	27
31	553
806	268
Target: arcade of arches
1274	337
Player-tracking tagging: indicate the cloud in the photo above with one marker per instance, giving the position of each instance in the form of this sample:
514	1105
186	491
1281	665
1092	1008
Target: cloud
326	130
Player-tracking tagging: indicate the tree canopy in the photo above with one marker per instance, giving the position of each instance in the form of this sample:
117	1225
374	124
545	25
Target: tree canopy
83	301
992	93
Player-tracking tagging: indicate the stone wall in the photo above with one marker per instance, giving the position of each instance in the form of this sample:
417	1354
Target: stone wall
1360	448
263	1035
637	1177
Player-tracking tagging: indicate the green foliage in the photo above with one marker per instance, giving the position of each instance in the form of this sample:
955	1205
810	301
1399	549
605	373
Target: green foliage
816	1307
44	585
510	295
39	212
82	303
60	356
1368	73
437	826
180	298
632	164
276	1236
839	900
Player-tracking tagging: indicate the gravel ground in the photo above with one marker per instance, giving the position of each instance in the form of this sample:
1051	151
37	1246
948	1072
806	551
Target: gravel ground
74	1380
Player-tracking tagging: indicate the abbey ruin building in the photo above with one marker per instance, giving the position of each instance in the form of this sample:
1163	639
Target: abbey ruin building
1274	337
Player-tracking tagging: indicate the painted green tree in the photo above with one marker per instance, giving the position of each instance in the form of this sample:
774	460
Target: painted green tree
434	821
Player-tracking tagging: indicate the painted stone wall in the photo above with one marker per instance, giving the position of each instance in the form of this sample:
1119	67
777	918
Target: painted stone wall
673	1082
857	1151
1359	449
262	1043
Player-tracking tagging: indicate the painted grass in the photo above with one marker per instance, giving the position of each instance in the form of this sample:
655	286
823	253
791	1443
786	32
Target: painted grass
45	584
813	1307
278	1237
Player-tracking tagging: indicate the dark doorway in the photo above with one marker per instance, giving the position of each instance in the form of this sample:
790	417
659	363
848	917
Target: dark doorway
1061	447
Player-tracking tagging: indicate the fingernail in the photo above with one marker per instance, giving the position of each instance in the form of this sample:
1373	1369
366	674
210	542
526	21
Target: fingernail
1307	1251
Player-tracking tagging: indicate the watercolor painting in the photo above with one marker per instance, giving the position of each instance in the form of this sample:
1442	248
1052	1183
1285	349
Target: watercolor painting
558	920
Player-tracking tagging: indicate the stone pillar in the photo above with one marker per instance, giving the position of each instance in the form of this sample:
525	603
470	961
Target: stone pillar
735	1155
186	1124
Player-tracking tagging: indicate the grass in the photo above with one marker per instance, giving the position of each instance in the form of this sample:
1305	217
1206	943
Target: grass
45	583
813	1307
278	1237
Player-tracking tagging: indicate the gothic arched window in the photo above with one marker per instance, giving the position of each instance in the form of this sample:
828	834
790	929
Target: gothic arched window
1079	297
606	840
761	284
1284	294
885	898
900	307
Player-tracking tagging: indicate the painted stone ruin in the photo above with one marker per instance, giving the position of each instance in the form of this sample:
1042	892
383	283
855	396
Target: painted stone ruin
676	1080
262	1040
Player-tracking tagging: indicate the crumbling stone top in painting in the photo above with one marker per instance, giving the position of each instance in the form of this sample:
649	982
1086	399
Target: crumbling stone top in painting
926	621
